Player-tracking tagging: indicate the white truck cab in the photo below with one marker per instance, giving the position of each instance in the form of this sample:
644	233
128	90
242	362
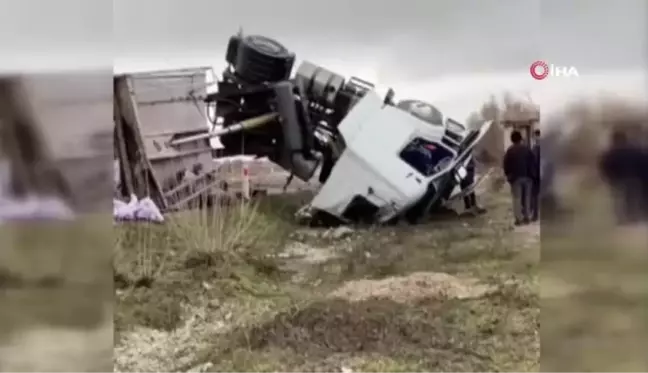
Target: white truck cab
395	157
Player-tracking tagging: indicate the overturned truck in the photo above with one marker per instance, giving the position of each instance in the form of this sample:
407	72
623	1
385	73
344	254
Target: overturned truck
378	159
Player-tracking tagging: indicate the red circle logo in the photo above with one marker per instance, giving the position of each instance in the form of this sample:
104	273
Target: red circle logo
539	70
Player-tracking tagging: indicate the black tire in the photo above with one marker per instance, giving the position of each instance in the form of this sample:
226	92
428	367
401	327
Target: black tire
261	59
422	110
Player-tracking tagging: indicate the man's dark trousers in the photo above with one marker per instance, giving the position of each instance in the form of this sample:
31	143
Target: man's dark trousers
535	199
521	193
470	200
535	186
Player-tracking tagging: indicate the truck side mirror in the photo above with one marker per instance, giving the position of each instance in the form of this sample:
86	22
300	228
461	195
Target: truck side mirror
461	173
389	97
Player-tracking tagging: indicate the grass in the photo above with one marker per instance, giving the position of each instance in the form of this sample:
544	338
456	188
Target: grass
211	292
55	285
158	267
55	256
595	291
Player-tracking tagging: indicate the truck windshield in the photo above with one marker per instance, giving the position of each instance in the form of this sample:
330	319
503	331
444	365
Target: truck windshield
425	157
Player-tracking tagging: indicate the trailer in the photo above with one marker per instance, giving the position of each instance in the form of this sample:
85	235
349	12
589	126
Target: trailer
158	115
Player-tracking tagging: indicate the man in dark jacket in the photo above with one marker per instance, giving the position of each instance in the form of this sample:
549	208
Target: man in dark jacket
518	168
535	188
623	167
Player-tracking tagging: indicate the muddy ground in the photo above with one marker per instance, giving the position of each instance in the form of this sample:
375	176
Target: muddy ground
254	292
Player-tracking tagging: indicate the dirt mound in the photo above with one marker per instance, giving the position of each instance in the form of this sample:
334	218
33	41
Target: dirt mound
393	317
417	285
428	330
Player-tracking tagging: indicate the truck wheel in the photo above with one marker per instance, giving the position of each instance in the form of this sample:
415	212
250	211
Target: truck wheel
261	59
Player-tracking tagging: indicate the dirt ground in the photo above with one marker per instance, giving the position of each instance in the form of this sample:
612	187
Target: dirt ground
247	290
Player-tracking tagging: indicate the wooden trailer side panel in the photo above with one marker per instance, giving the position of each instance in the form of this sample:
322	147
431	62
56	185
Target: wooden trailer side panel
161	118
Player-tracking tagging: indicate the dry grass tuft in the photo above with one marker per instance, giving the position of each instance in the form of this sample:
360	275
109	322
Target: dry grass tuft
168	275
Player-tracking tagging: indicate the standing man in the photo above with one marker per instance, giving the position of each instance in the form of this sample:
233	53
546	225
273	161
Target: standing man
623	168
470	199
535	188
518	168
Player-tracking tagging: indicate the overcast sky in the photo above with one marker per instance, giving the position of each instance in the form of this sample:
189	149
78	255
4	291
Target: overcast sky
426	48
402	43
410	38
